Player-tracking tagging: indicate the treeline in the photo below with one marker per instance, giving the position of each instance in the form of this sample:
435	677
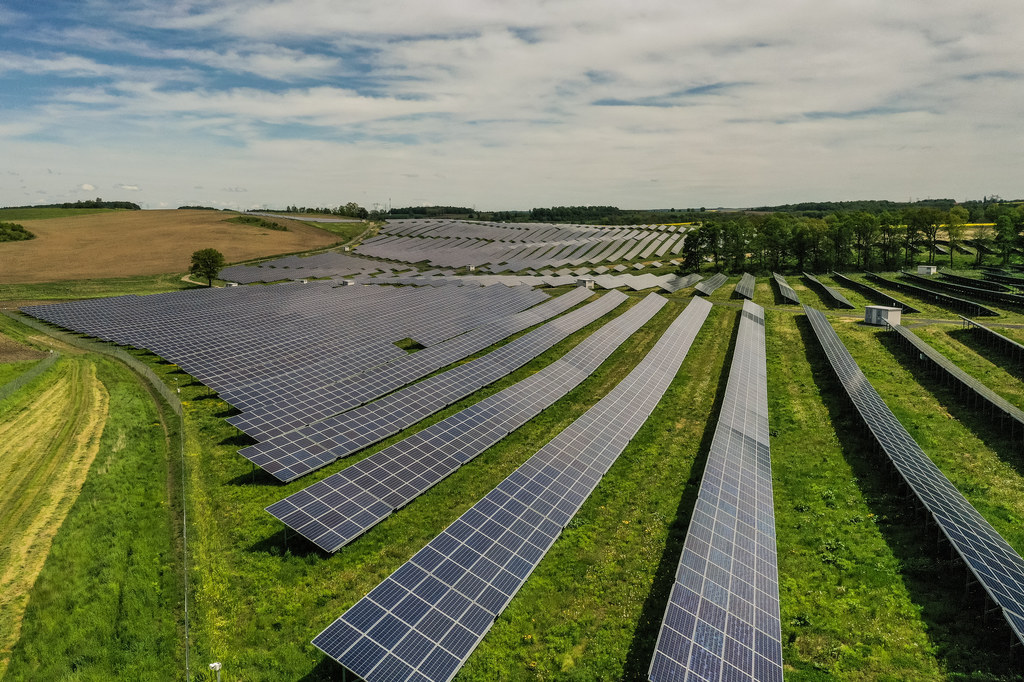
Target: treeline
978	210
452	212
850	239
349	210
90	203
201	208
13	232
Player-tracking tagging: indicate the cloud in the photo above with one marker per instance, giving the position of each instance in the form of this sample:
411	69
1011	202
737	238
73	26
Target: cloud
86	187
128	188
517	103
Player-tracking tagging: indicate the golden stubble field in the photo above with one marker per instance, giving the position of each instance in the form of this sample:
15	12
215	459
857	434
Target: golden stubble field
126	243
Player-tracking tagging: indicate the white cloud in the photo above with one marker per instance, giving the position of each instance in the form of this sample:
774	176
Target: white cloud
86	187
519	103
128	188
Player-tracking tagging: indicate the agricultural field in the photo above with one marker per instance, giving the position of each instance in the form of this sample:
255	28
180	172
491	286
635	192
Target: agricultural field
142	243
865	591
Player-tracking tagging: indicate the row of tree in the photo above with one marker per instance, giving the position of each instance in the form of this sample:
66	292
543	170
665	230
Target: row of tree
846	240
350	210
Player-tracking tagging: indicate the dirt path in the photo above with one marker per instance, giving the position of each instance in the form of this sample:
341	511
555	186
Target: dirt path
47	444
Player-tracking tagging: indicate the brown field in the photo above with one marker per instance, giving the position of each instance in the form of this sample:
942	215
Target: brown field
129	243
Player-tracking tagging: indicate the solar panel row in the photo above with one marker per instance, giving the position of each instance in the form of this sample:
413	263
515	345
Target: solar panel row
945	300
992	561
722	619
235	338
993	285
425	619
301	405
1009	415
745	287
831	293
785	290
1008	346
334	511
708	286
874	294
296	453
983	293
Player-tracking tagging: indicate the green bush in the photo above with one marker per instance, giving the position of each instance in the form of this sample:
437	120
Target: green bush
13	232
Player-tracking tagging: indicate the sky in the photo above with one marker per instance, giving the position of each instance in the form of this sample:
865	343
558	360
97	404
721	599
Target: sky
509	104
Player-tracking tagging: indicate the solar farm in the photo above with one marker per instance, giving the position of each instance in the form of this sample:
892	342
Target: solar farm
476	451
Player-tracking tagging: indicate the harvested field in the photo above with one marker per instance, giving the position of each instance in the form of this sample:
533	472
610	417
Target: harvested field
49	440
125	243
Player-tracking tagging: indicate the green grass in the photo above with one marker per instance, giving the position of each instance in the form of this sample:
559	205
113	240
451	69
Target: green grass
9	371
257	221
846	611
94	288
7	214
346	230
107	603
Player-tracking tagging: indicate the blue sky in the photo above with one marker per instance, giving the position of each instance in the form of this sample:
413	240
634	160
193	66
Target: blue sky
509	104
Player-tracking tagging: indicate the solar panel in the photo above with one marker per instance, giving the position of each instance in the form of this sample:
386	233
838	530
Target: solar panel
336	510
991	560
992	337
425	619
873	293
945	300
785	290
302	405
1008	414
708	286
833	294
722	618
985	293
296	453
745	288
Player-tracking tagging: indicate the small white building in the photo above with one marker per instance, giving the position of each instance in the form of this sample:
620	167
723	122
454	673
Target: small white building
878	315
927	269
587	282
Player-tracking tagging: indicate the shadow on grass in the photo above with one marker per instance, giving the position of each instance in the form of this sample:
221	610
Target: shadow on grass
990	351
287	541
966	642
641	649
979	421
254	477
230	412
239	440
327	670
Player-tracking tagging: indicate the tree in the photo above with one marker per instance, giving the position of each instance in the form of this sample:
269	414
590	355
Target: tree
958	217
1006	235
207	263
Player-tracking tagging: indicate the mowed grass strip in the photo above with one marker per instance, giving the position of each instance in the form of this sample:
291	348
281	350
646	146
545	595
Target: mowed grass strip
49	436
107	603
846	612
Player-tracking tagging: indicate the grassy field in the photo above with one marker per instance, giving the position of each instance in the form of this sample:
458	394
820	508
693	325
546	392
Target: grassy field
107	602
35	213
866	593
50	433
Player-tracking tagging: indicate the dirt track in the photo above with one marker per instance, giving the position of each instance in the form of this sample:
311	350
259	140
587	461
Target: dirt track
129	243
